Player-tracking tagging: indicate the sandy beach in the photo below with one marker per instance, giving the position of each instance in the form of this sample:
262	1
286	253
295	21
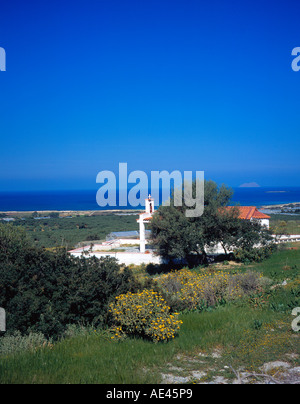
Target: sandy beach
282	206
66	213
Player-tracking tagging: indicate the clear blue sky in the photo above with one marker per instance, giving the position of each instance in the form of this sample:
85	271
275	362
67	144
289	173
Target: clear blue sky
160	84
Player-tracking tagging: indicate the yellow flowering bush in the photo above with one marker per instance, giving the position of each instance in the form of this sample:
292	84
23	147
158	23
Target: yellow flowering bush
145	314
190	290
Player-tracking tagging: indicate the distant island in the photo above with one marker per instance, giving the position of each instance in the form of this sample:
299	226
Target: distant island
250	185
276	192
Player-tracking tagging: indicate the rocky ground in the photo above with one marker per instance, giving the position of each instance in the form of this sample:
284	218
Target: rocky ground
209	368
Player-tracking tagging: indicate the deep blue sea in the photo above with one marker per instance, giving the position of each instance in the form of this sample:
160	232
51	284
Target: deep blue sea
86	200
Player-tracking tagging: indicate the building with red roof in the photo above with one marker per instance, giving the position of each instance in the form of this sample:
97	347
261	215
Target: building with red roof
252	213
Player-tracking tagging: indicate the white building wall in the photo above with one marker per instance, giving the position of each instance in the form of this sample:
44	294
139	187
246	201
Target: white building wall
265	223
142	236
125	258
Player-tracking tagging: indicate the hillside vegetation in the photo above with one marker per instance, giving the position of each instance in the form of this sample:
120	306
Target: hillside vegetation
231	318
69	231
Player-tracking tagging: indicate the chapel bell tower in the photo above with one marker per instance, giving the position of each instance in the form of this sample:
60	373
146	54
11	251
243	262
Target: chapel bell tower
143	219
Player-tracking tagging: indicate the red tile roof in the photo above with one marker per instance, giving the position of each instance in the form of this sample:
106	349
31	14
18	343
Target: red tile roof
249	212
259	215
144	218
246	213
147	218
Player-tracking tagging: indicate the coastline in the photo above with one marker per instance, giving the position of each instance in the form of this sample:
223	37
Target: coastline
282	205
84	201
66	213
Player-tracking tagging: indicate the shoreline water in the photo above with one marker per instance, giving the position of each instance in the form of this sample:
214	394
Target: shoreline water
85	200
282	205
66	213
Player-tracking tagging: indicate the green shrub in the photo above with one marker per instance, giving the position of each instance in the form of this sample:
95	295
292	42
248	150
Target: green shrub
78	330
43	291
14	343
285	299
247	256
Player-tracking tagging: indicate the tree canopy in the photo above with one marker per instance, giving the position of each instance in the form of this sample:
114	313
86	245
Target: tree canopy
176	236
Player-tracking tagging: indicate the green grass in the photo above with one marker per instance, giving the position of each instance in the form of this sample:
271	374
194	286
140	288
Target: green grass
93	359
291	226
283	264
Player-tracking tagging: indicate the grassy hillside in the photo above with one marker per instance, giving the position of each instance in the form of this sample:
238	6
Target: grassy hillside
288	224
92	359
243	334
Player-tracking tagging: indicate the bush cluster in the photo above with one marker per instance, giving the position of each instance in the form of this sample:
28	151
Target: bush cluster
144	314
16	342
189	290
43	291
248	255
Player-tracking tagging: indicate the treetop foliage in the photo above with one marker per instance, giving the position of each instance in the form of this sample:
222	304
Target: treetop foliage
177	237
